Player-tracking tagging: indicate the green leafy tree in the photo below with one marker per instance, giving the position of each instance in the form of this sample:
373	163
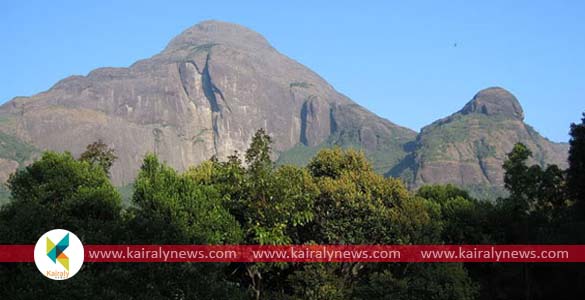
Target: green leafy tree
534	213
519	180
274	201
442	193
357	206
101	154
536	198
576	171
333	162
316	281
258	154
190	212
418	281
336	199
271	205
172	208
58	191
274	205
464	220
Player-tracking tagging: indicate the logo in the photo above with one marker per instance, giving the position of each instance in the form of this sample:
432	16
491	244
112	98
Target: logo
59	254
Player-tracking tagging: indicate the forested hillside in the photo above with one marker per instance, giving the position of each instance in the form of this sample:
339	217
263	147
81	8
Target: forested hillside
337	198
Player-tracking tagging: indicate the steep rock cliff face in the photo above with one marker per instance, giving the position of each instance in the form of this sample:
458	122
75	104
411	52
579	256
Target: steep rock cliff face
216	83
205	94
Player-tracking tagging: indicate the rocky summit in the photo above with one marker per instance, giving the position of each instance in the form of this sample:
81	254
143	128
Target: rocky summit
493	102
216	83
205	94
469	147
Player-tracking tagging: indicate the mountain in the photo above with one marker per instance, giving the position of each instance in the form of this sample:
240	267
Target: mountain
205	94
216	83
469	147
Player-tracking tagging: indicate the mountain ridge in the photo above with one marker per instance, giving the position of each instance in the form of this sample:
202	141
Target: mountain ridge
205	94
469	147
211	88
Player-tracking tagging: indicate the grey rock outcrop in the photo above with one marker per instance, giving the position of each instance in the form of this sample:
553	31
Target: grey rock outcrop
205	94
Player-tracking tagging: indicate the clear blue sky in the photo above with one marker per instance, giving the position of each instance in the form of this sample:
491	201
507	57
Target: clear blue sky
397	59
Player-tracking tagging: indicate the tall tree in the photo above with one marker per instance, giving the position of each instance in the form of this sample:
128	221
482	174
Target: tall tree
576	171
172	208
271	205
258	154
534	192
358	206
465	220
517	180
101	154
58	191
185	211
532	214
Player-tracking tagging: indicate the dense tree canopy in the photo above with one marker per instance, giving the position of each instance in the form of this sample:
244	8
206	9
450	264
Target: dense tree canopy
336	199
576	171
58	191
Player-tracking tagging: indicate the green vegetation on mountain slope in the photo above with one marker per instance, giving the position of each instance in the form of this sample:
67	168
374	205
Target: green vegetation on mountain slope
336	198
14	149
386	155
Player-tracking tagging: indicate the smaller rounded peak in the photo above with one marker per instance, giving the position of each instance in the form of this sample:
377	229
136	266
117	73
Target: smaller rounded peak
494	101
217	32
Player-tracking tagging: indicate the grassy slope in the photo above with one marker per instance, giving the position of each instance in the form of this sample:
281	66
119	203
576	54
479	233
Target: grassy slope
383	159
14	149
4	195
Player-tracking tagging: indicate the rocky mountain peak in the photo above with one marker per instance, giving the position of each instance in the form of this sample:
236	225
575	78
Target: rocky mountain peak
218	32
205	95
216	83
468	148
494	101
